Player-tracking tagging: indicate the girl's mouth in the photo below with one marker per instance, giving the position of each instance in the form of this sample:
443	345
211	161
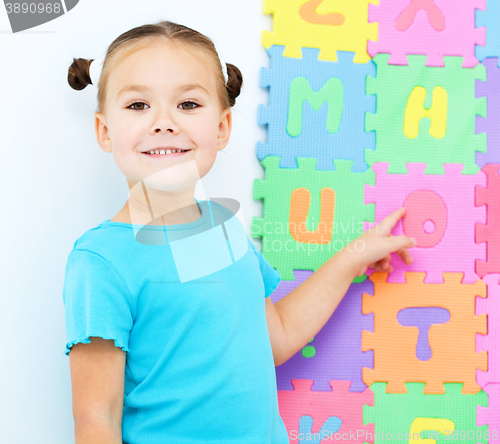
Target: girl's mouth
166	153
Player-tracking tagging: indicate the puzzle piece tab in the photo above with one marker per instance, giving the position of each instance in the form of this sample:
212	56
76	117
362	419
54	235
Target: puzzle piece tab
394	414
294	199
321	405
338	344
490	232
401	107
454	357
490	343
290	108
297	24
448	244
434	28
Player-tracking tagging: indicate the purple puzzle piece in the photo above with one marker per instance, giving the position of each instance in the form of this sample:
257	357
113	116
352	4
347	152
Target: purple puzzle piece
489	124
423	318
338	344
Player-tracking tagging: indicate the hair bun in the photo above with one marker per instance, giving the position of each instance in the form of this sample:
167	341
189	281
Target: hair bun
234	82
79	73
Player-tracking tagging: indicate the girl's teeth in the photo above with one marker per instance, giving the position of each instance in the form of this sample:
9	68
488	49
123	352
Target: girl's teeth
164	152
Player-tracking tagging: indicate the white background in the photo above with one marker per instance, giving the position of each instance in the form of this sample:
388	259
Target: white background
56	182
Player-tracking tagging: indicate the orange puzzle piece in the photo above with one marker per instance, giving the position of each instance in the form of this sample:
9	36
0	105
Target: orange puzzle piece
453	344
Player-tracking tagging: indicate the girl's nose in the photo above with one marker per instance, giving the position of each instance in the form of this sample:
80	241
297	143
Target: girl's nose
164	121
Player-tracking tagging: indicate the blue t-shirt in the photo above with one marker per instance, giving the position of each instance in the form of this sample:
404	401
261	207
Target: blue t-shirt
186	303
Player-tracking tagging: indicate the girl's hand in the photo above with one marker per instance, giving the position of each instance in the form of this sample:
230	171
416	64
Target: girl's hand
374	247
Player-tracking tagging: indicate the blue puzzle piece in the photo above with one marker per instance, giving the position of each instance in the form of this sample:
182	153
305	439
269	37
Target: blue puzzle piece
321	134
491	19
331	426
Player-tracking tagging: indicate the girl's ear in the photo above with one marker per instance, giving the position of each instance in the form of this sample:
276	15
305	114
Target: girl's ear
101	132
225	127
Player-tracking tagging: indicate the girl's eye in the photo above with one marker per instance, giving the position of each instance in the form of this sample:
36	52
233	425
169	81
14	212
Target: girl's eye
138	103
187	105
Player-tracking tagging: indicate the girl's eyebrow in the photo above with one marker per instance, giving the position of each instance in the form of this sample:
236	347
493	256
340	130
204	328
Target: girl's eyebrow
191	86
181	88
132	88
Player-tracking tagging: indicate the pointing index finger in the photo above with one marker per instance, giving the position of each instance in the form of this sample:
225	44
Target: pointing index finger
390	221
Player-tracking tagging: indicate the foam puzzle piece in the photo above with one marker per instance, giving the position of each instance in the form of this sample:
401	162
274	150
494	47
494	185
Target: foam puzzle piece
490	343
489	124
345	224
434	28
394	414
337	345
396	102
491	416
315	140
321	405
489	232
491	19
450	246
454	357
296	25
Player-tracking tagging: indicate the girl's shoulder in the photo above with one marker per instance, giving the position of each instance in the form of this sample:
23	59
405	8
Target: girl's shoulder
101	239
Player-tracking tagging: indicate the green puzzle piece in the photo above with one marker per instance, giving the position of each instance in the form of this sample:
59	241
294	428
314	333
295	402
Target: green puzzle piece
394	85
281	250
395	413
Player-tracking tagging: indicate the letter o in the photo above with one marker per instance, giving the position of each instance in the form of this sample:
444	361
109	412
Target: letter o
423	206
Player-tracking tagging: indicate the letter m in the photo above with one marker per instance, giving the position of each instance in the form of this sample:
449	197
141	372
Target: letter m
332	92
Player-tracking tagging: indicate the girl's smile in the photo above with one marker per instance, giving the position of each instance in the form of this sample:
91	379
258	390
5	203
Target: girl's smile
159	153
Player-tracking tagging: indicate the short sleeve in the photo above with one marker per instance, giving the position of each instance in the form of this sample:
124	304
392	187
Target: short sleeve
270	276
96	301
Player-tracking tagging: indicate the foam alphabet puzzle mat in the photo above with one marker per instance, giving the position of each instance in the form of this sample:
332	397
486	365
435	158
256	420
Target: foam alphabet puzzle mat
376	105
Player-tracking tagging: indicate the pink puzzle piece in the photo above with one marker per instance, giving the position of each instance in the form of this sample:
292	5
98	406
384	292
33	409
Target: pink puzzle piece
340	402
490	342
491	415
490	232
435	28
440	215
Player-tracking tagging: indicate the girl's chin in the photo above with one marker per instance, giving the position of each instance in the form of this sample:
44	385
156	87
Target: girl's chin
173	177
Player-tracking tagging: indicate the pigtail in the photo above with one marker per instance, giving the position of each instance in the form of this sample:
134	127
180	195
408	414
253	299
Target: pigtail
79	73
234	83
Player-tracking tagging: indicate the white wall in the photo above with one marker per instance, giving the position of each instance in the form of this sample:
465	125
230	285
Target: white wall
57	183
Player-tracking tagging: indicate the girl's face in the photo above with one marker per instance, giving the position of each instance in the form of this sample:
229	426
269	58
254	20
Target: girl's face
162	97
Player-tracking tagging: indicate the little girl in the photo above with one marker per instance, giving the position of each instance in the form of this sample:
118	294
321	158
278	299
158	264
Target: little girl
172	333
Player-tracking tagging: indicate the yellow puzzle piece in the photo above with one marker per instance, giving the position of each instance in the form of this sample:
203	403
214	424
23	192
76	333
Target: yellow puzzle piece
330	25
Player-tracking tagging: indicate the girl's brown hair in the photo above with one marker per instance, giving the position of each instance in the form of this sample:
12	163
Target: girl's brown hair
138	38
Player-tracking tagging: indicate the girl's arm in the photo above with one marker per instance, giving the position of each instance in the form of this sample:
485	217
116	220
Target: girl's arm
97	383
295	319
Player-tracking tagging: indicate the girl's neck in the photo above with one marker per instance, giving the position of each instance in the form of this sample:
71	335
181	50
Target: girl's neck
159	208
